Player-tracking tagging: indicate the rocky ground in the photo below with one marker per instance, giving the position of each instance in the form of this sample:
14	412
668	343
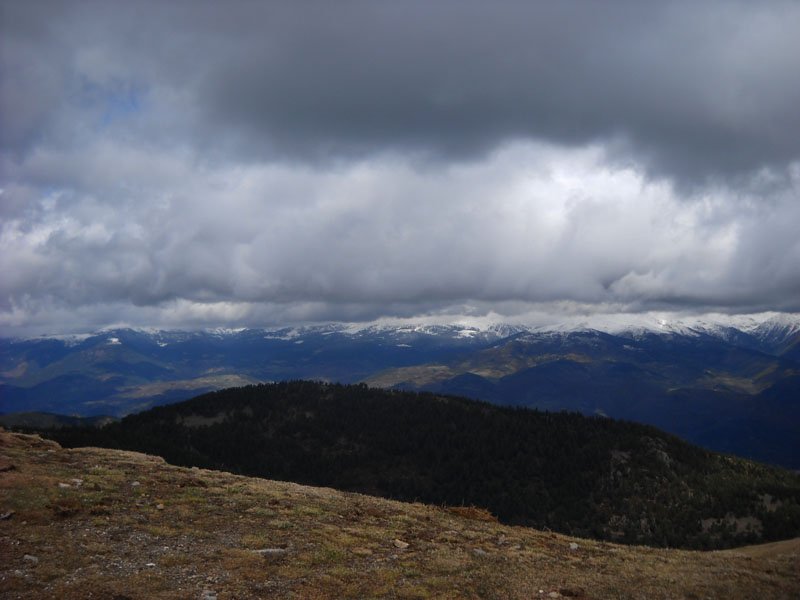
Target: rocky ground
107	524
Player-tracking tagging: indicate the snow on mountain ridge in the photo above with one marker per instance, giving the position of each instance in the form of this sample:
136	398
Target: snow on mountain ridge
780	324
624	324
761	326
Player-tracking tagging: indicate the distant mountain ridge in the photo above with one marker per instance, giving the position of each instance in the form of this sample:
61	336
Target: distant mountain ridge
731	383
770	328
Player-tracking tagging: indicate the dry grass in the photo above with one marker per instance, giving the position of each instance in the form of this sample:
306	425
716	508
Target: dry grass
181	532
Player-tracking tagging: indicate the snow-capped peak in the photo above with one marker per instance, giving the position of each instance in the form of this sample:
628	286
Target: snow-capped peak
769	328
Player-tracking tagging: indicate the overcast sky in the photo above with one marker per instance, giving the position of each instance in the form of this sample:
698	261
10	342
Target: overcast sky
201	164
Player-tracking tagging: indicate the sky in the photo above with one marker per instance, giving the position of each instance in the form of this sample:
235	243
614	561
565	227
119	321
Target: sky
244	164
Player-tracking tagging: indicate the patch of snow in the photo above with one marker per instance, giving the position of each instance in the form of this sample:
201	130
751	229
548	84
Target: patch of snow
72	339
282	334
223	331
467	333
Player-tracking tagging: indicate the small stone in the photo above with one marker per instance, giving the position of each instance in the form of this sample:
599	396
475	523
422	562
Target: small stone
31	559
150	565
64	486
195	469
271	551
159	507
77	482
573	546
554	595
400	544
135	484
479	552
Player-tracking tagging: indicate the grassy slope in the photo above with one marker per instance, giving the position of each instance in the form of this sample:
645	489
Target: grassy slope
199	530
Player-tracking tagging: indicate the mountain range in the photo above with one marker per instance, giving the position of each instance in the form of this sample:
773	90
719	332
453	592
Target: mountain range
728	383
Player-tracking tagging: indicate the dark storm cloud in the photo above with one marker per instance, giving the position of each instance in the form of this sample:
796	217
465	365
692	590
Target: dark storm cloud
254	162
688	89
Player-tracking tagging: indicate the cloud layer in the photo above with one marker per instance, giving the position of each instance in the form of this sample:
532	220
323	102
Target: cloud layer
197	164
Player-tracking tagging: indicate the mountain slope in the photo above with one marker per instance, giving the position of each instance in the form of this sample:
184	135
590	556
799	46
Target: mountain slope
127	525
589	477
50	420
698	386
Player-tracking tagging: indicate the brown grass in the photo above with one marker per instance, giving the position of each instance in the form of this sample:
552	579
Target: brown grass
107	538
472	512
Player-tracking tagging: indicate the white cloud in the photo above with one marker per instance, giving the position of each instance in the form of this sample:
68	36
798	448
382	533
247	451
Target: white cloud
218	167
256	244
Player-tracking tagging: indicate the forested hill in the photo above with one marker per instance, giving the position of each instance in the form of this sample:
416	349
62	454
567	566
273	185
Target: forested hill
586	476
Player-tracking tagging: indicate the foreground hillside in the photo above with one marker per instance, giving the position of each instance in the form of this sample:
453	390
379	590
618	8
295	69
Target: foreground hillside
109	524
592	477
